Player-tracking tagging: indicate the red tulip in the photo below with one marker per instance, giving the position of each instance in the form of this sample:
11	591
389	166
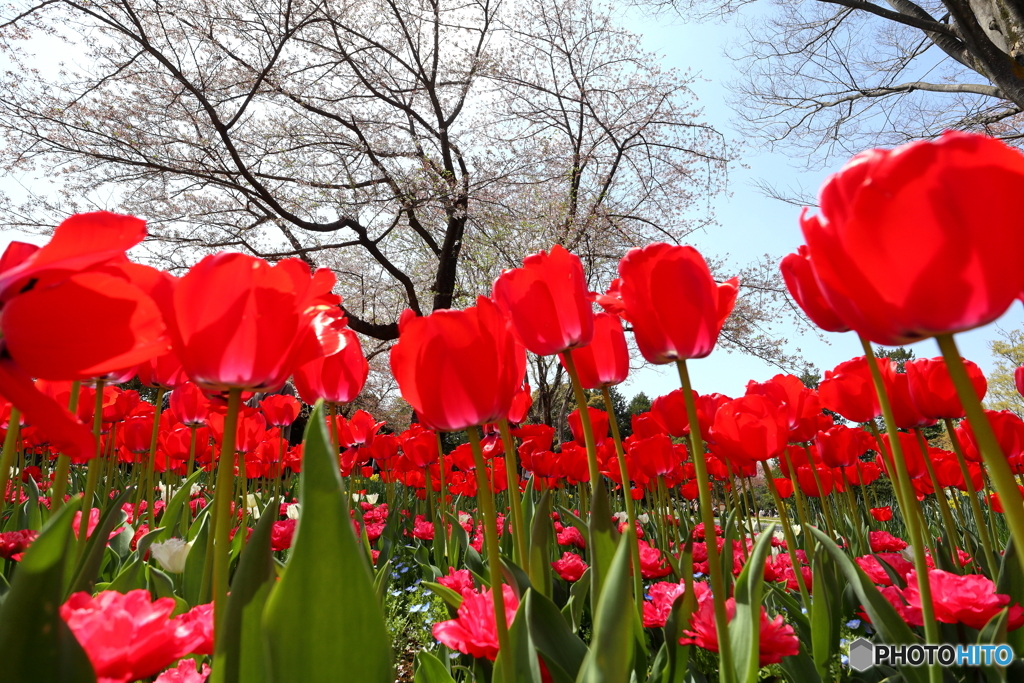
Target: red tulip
803	287
458	369
849	391
162	372
546	302
970	599
280	410
129	636
882	514
921	240
1018	379
655	456
521	404
932	390
599	425
570	567
189	405
842	446
605	360
669	411
749	428
777	638
474	631
798	403
236	321
676	307
905	413
338	369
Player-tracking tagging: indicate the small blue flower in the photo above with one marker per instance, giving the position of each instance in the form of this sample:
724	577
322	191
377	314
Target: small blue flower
803	610
454	655
698	575
853	623
844	660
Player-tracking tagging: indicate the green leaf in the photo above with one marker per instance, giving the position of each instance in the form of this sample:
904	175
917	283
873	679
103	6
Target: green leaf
1011	582
540	541
192	577
603	536
429	669
37	645
238	657
744	630
611	649
553	637
822	626
890	626
445	593
322	617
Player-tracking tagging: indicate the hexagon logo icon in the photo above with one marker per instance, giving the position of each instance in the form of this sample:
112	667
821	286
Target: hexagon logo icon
862	654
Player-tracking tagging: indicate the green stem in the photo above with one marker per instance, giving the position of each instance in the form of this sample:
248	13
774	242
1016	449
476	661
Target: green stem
515	498
485	500
940	497
588	430
728	674
95	465
222	496
151	462
931	627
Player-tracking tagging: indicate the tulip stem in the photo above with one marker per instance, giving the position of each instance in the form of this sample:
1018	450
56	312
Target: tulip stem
222	497
485	501
515	499
95	465
9	452
151	462
912	518
60	475
940	497
638	583
588	430
728	673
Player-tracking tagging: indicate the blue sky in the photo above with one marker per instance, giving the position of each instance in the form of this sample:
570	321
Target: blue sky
750	223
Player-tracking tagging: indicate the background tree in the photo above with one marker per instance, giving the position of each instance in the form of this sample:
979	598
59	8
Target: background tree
833	77
1009	354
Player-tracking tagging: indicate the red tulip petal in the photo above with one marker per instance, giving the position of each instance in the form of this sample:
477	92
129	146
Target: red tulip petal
65	433
85	326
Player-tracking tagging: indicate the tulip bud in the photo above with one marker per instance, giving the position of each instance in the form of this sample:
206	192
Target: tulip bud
171	554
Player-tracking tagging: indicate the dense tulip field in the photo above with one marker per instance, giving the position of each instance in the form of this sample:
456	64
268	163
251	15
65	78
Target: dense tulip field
196	537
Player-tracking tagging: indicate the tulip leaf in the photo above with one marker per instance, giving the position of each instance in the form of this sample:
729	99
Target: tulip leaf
37	646
238	656
554	638
823	628
519	665
884	618
540	540
192	577
89	566
451	597
322	617
514	576
429	669
603	536
744	630
611	648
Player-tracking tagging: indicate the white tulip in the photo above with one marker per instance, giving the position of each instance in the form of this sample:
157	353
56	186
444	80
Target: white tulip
171	555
